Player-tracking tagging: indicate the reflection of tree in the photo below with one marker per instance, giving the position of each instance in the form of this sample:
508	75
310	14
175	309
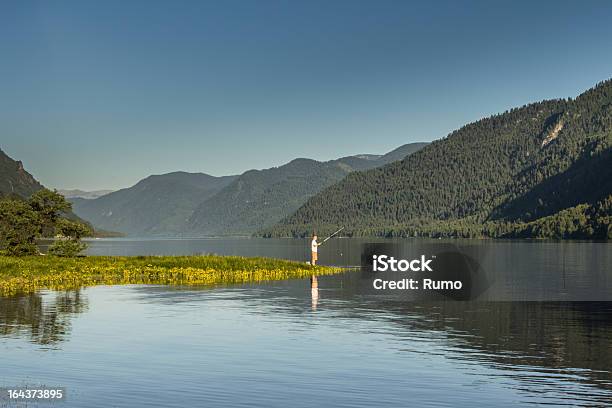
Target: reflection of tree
510	335
539	344
522	338
46	318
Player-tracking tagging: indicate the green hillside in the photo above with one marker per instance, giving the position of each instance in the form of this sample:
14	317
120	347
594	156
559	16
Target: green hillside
400	153
158	205
17	183
261	198
543	170
15	180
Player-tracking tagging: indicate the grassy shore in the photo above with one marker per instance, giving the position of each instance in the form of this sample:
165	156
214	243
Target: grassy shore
28	274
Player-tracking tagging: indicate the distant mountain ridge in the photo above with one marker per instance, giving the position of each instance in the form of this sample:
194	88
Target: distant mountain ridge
541	170
196	204
157	205
400	153
260	198
89	195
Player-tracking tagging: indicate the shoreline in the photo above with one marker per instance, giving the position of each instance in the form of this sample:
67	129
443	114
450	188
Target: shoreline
21	275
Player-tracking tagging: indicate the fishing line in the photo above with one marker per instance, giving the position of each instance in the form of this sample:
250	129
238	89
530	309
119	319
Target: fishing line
331	236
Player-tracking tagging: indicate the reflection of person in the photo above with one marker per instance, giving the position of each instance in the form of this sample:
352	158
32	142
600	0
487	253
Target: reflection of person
314	250
314	291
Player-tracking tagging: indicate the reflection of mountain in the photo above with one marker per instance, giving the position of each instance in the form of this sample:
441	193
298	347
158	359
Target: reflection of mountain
46	319
555	338
541	345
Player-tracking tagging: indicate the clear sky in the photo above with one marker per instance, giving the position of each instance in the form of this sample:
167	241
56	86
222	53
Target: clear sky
101	94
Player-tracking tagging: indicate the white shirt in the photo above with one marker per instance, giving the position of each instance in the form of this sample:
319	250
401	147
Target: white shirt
314	245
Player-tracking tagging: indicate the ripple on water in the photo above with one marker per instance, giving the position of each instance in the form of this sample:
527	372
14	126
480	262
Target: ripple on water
264	345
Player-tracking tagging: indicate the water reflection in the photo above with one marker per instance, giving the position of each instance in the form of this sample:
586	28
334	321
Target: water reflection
513	270
538	342
554	353
314	292
557	347
45	318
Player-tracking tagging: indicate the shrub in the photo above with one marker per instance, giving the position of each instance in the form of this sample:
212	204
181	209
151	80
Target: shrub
67	247
19	228
69	242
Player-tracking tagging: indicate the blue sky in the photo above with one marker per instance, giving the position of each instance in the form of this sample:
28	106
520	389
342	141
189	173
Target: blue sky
101	94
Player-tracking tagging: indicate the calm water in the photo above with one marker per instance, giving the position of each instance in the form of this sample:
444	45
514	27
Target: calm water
513	270
282	344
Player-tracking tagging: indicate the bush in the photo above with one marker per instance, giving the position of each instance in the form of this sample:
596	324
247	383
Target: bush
67	247
22	249
22	222
19	228
69	243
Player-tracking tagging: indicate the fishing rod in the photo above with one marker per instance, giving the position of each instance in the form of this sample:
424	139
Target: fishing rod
331	236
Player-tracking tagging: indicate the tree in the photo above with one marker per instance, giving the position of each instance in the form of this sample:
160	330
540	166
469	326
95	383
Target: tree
23	222
19	227
495	170
69	240
49	205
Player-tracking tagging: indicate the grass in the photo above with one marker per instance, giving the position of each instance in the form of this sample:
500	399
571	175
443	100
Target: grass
29	274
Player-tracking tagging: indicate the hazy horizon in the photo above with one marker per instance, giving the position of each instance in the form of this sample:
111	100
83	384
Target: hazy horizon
101	95
191	172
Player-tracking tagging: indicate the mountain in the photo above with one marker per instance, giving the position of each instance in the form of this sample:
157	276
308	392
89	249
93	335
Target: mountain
369	161
400	153
260	198
15	180
156	205
541	170
89	195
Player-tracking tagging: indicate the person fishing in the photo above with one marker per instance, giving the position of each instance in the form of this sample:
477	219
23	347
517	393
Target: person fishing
314	249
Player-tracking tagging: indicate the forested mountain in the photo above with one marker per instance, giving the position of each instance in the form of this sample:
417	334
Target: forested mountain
156	205
400	153
15	180
542	170
260	198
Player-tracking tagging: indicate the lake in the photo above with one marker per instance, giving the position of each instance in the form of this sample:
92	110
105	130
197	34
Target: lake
513	269
282	344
